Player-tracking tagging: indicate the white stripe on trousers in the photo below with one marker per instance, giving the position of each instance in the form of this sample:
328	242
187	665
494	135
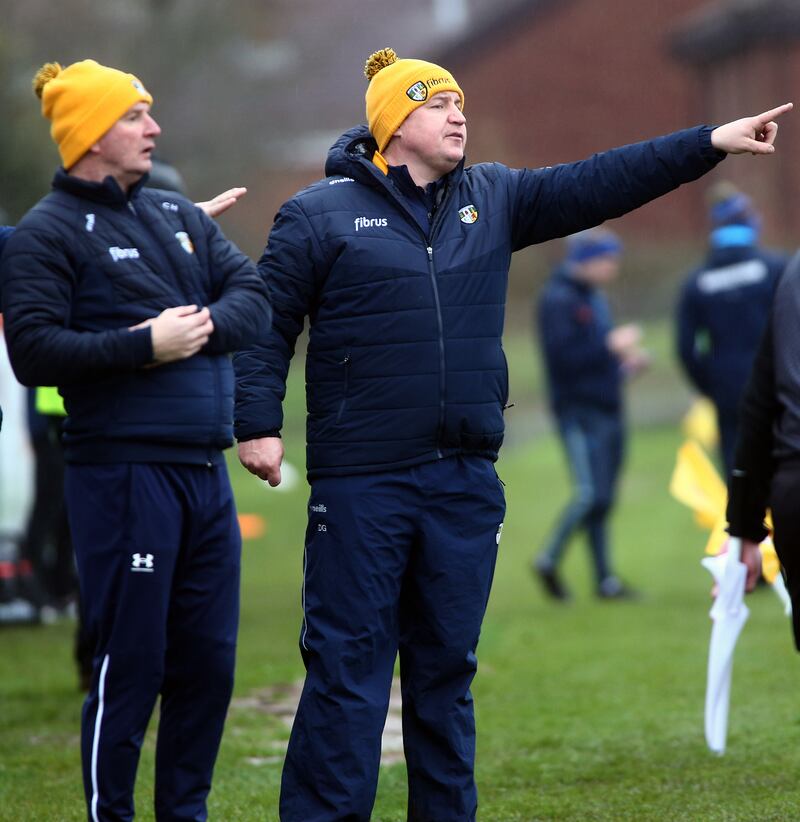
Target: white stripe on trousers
101	693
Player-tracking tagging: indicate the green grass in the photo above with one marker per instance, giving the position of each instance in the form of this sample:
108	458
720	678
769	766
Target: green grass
590	711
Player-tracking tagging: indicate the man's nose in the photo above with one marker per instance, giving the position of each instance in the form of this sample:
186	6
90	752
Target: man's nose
153	128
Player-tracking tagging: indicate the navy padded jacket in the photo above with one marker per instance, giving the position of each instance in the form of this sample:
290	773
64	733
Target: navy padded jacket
573	320
405	362
85	264
722	313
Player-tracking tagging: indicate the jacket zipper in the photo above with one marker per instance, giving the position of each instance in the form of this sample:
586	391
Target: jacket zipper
442	362
168	266
439	319
428	240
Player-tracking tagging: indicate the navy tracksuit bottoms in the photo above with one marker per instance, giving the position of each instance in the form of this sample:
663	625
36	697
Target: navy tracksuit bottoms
158	554
594	442
396	561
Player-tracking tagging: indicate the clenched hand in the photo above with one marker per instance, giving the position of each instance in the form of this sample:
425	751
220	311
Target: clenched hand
178	333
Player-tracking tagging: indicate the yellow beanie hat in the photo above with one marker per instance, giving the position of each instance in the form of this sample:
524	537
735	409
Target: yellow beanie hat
397	87
83	101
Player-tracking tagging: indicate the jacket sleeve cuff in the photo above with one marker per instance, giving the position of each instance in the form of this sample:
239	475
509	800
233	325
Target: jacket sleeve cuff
707	150
142	346
258	436
754	531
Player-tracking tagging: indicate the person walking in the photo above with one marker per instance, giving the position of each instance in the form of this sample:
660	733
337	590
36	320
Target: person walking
130	301
399	259
586	362
723	308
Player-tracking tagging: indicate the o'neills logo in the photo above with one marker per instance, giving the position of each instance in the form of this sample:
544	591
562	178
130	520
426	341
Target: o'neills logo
370	222
419	91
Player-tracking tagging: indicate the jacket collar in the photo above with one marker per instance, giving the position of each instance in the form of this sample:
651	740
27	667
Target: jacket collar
729	255
352	156
563	273
108	192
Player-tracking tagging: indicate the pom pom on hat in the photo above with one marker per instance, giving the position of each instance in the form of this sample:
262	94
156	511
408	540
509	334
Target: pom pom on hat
397	87
379	60
83	101
48	72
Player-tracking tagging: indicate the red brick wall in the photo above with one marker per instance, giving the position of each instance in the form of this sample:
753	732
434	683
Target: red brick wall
580	77
745	84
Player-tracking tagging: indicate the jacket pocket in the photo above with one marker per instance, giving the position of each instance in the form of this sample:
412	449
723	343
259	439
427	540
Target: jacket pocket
345	364
504	378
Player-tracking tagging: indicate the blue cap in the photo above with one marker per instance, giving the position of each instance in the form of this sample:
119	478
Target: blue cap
594	242
734	210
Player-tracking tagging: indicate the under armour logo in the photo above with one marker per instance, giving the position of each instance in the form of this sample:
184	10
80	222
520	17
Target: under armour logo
142	563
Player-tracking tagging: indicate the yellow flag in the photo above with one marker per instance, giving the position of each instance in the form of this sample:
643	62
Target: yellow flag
700	423
696	483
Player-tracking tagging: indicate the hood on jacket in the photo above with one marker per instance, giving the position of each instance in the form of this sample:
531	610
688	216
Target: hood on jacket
355	143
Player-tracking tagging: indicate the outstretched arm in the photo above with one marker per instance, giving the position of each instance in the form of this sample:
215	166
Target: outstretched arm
559	200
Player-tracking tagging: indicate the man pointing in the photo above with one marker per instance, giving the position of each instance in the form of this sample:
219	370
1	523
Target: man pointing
399	259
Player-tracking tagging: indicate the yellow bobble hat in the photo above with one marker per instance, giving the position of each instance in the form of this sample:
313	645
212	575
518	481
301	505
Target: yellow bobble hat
83	101
397	87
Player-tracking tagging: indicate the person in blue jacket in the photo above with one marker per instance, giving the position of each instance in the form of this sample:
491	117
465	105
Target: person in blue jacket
399	259
130	300
586	361
723	309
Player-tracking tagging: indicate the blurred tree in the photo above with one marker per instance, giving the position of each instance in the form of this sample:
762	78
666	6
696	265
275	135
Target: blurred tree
195	56
25	150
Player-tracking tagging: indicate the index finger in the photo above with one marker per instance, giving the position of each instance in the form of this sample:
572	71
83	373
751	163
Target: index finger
766	116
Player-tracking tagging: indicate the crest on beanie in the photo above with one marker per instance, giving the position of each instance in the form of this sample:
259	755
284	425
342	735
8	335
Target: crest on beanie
418	92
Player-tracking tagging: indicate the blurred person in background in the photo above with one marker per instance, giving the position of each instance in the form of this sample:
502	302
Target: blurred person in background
17	581
587	361
723	308
130	301
47	544
399	259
